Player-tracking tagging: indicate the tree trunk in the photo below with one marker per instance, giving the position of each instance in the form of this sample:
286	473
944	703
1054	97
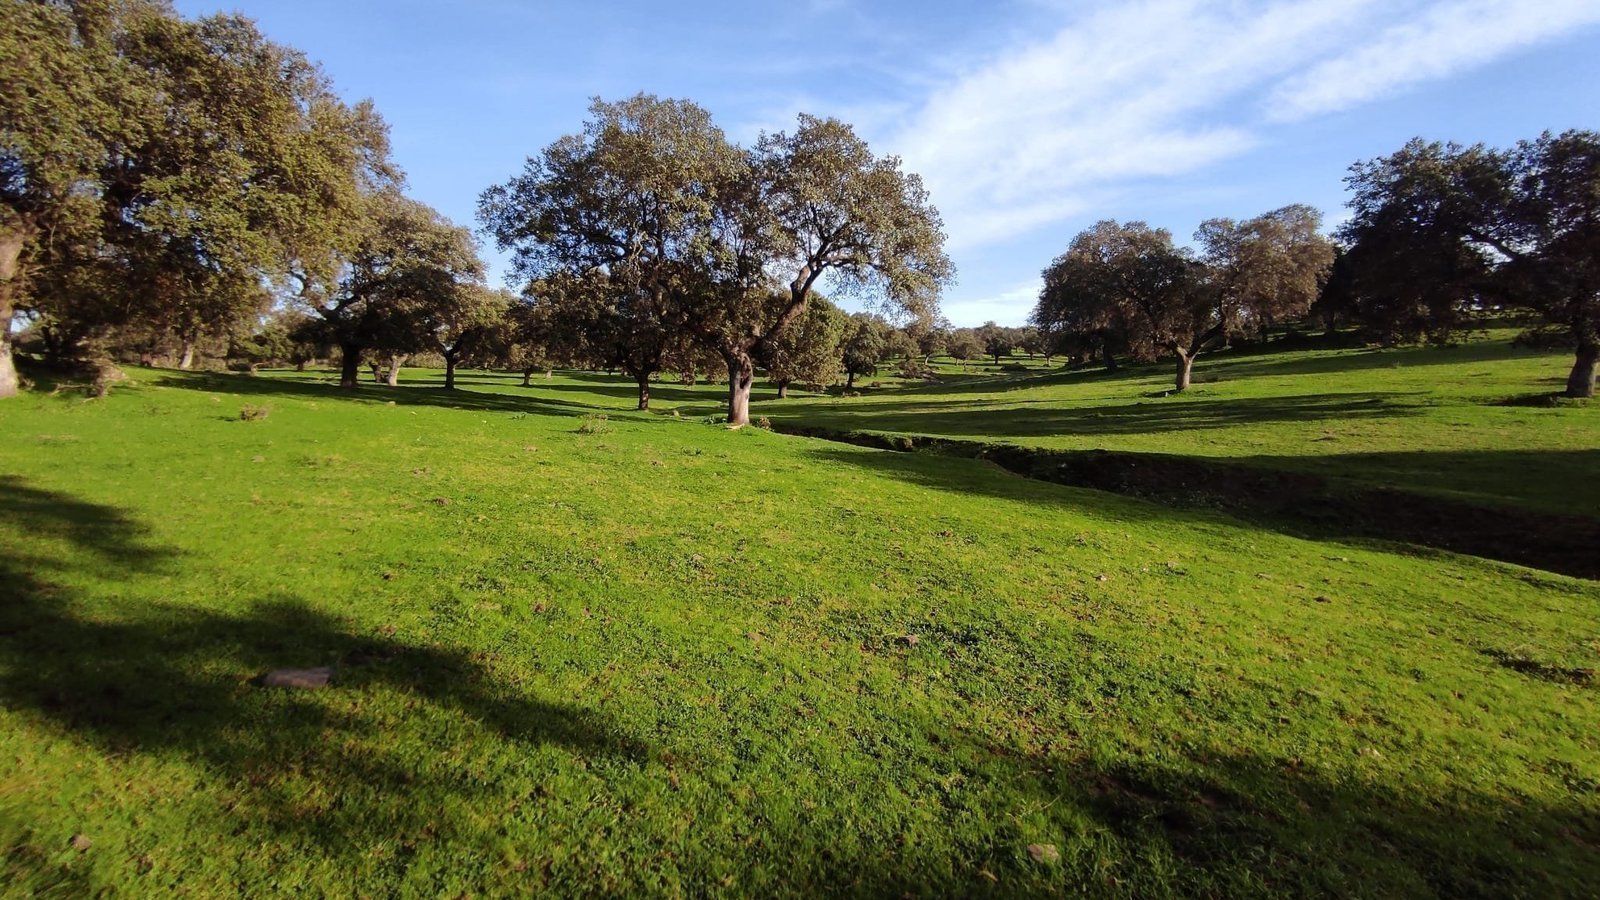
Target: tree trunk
449	372
299	365
849	380
186	360
1107	357
1185	368
1581	382
783	389
350	366
741	375
527	378
11	243
644	390
393	378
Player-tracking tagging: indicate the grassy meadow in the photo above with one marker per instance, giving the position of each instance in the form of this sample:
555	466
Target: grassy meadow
1465	421
642	654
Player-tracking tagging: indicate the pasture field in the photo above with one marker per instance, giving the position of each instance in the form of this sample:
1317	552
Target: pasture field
645	654
1467	421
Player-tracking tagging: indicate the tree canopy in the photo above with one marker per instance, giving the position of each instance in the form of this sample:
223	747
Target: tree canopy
1440	230
657	220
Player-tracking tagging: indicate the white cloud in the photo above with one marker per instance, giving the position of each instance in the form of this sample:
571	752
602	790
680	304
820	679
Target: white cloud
1009	307
1131	92
1029	137
1442	40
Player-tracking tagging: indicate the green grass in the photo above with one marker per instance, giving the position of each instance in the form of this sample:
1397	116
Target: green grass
663	657
1453	421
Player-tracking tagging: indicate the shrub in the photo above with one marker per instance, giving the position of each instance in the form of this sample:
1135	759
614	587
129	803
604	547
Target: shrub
250	412
594	423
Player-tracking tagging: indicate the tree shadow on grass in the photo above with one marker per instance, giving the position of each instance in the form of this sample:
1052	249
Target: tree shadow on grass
1233	823
1294	502
979	418
275	386
1249	364
320	775
165	680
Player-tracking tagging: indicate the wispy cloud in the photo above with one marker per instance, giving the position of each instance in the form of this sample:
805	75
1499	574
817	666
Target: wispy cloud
1439	42
1131	92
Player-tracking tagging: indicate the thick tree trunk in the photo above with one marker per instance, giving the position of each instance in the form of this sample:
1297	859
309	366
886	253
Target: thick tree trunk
1581	382
527	378
186	360
392	377
783	389
350	366
1185	369
449	372
9	382
849	380
299	365
1107	357
644	390
11	244
741	375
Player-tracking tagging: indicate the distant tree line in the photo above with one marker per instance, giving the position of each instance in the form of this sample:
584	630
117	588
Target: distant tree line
1441	238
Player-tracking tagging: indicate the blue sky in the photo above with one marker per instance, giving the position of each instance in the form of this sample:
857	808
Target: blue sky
1029	120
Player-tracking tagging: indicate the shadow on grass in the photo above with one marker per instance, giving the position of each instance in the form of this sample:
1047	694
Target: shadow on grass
1229	823
1249	364
320	774
1558	481
155	679
303	388
979	418
1295	502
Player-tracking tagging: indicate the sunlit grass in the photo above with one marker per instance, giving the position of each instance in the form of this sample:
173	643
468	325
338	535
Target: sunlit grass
666	657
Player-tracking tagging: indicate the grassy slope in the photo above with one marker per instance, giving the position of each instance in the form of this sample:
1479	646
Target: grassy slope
668	657
1428	419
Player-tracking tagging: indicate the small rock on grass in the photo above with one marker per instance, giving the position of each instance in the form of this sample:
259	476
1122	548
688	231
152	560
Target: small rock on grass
1044	853
300	679
80	842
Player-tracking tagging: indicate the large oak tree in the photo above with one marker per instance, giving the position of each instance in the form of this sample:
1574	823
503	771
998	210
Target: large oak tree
814	206
682	235
173	164
609	223
1439	227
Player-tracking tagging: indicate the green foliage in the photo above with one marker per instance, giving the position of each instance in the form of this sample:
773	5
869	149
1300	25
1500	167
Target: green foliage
410	282
1438	230
866	345
809	350
1126	287
175	164
654	231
